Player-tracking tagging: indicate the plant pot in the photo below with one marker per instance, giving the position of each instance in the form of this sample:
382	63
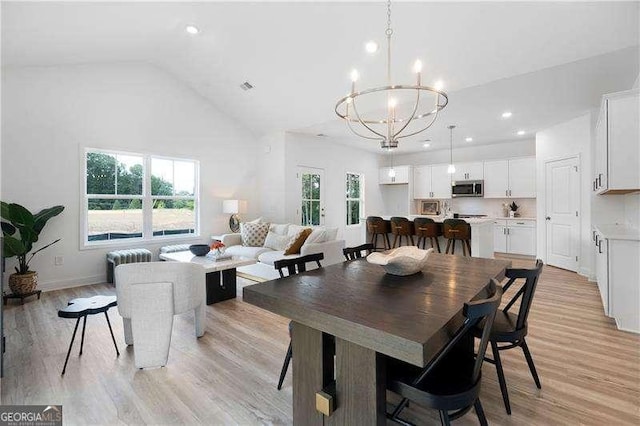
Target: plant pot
512	214
23	283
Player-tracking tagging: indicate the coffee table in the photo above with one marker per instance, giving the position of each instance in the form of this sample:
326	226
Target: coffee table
220	273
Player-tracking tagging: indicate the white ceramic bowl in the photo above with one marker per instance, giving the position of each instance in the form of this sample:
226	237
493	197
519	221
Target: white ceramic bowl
401	261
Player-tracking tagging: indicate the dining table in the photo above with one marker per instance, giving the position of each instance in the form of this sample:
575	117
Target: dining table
349	317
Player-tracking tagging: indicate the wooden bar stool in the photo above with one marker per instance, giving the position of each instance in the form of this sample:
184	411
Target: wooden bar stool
378	226
457	230
427	228
401	227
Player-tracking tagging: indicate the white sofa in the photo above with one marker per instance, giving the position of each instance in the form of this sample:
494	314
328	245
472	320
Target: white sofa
332	249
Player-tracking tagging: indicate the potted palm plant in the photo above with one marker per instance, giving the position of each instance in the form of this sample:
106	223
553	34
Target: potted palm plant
21	230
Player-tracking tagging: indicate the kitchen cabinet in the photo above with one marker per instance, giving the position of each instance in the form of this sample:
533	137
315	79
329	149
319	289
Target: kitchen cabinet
511	178
431	182
617	148
401	176
516	236
469	171
617	249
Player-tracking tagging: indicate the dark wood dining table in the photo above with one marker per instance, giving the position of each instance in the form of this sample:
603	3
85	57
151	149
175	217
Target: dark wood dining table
369	315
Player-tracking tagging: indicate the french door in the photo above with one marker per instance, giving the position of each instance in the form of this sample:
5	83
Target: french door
562	205
311	184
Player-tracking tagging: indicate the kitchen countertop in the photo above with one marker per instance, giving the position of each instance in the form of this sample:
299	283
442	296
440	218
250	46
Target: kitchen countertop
618	232
439	219
515	218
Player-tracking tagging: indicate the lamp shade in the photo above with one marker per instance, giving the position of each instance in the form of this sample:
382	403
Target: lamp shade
234	206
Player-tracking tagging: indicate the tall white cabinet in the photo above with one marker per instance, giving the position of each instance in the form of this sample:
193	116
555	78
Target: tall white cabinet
512	178
618	144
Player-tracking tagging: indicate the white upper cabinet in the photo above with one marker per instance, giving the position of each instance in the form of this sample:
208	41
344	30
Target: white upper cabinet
440	181
401	175
617	144
469	171
431	182
522	177
422	182
496	179
512	178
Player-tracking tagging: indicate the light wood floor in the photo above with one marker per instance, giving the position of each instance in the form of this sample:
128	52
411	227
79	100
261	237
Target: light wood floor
590	371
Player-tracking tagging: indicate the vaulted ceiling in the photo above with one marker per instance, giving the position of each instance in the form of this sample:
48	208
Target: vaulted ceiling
544	61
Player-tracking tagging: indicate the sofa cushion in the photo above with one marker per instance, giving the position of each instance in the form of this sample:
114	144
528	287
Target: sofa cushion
279	229
321	234
297	241
275	241
253	234
271	256
250	252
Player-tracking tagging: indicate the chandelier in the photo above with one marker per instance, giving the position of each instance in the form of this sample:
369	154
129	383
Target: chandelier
391	122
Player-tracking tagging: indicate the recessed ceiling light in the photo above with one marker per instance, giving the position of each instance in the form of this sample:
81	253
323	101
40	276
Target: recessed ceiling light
469	139
506	114
192	29
426	144
438	85
520	132
371	46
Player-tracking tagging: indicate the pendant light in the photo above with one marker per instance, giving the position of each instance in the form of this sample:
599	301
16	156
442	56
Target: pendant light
452	168
392	170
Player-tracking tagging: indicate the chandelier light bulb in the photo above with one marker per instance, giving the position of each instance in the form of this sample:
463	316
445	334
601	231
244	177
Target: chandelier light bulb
451	169
507	114
393	102
355	75
417	66
520	132
349	100
192	29
371	47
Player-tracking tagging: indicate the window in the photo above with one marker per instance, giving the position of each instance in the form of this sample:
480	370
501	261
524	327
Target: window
354	198
138	196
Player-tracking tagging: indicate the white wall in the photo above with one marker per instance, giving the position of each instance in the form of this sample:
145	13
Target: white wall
561	141
336	160
49	113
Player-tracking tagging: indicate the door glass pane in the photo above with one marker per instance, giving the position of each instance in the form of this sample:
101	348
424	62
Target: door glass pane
310	204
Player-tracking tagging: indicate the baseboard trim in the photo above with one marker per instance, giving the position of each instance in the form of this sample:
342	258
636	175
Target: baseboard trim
585	272
70	283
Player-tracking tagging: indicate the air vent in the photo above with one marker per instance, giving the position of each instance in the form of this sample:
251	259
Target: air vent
246	86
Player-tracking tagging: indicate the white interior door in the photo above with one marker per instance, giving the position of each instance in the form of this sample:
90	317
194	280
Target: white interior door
562	213
311	185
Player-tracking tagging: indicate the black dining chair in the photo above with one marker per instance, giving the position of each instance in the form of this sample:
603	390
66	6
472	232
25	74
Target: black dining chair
352	253
294	266
451	380
510	328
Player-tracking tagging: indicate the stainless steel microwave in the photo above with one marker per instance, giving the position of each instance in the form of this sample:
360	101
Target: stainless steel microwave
467	188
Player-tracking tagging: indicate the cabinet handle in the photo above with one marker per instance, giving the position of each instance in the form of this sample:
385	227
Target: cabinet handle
594	235
506	193
599	180
509	193
600	246
519	223
596	239
504	231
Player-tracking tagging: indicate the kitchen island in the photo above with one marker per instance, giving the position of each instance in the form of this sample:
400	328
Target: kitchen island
481	234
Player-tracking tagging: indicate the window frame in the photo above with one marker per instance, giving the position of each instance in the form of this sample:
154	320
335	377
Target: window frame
146	198
361	179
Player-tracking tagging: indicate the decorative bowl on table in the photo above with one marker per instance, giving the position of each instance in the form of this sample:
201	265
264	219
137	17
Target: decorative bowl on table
402	261
199	249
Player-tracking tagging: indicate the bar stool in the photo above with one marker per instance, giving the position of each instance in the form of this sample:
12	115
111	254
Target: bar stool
457	230
378	226
427	228
401	227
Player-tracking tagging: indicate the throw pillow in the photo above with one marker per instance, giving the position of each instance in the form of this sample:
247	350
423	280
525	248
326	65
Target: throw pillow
279	229
294	230
253	234
297	242
319	235
277	242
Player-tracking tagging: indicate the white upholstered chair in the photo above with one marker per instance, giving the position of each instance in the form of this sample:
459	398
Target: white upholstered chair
149	295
